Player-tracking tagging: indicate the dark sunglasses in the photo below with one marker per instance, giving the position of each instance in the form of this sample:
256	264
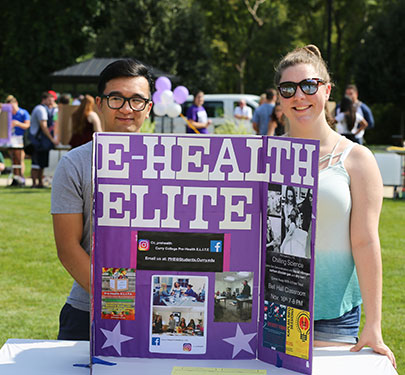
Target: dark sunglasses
308	86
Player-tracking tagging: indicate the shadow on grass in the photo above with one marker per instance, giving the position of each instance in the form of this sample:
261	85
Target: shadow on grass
23	190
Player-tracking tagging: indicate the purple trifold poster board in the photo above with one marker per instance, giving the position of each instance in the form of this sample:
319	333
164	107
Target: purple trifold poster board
203	247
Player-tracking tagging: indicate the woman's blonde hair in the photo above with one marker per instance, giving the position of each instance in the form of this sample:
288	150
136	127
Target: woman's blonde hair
79	117
309	54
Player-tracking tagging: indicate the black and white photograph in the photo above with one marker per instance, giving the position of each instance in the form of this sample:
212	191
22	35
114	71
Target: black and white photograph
289	215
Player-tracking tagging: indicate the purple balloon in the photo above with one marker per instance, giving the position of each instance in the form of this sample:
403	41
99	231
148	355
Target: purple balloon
156	97
180	94
163	83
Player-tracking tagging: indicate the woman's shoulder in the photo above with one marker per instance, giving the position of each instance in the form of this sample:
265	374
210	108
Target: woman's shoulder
92	115
360	160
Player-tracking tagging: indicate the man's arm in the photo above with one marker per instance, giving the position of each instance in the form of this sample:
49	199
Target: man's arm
368	115
44	127
68	229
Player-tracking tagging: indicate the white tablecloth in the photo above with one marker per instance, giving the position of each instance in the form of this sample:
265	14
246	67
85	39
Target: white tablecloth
39	357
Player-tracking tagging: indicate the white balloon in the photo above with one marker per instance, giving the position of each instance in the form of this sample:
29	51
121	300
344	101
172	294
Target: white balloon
159	109
166	97
173	110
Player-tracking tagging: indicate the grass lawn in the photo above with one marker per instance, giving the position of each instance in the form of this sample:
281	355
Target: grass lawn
34	285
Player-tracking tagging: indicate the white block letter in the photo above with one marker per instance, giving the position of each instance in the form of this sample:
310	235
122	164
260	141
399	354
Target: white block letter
238	208
107	157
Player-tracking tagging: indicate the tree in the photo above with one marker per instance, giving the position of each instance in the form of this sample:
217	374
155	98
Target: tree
38	41
380	72
167	35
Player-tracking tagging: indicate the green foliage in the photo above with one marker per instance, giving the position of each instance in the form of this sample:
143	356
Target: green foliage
387	118
230	127
148	126
162	34
380	71
218	46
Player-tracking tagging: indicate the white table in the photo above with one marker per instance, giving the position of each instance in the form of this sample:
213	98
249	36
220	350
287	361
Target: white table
40	357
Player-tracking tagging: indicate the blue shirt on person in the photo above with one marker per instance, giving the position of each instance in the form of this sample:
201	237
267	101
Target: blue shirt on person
261	117
21	115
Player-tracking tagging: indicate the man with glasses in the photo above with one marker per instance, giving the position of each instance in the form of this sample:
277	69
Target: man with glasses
124	100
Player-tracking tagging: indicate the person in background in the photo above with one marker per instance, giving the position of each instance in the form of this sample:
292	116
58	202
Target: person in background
197	115
189	292
347	248
262	98
182	327
243	113
191	325
361	108
277	122
78	99
84	122
40	128
2	164
261	116
53	110
20	123
350	122
246	290
124	101
64	99
171	324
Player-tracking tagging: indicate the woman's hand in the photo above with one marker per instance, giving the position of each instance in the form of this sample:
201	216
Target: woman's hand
372	338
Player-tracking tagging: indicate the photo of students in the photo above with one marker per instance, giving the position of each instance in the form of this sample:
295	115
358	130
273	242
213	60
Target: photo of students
233	296
178	291
164	321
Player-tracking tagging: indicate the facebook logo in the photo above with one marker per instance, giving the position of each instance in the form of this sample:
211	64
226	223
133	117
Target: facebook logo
216	246
156	341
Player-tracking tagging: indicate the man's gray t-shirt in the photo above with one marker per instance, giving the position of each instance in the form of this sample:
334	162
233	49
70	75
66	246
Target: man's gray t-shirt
38	114
71	194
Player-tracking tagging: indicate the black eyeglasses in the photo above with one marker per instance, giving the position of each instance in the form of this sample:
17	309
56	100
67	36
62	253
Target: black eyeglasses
137	103
308	86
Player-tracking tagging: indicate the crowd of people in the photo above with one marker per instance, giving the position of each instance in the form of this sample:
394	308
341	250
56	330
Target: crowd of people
37	133
177	325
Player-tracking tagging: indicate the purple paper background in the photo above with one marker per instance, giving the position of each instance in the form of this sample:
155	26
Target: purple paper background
112	248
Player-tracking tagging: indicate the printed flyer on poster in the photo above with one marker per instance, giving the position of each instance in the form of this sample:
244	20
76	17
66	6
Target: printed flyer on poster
203	247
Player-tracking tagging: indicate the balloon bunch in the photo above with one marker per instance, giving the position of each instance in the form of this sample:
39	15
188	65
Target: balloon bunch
167	102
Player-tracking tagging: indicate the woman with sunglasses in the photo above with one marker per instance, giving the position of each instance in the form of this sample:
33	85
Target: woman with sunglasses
347	248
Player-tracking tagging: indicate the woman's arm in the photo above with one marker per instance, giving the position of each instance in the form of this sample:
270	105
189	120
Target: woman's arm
362	124
271	127
23	125
367	192
95	121
200	125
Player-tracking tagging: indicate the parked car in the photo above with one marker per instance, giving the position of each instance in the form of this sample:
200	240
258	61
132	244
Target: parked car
219	107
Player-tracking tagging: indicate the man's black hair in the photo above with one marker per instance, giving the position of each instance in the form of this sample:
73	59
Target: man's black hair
270	94
45	95
124	68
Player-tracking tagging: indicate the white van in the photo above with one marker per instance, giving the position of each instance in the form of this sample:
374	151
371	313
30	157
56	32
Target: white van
219	107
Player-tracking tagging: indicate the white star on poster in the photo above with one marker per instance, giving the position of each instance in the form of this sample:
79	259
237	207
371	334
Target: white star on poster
240	341
114	338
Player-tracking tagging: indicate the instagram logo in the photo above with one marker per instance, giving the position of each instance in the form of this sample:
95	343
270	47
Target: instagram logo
187	347
143	245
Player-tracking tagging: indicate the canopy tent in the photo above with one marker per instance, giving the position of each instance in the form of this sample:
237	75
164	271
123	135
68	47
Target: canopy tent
88	72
